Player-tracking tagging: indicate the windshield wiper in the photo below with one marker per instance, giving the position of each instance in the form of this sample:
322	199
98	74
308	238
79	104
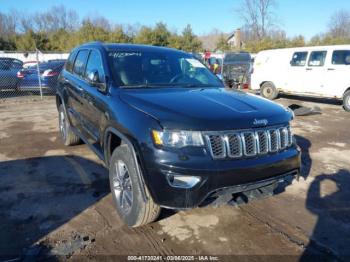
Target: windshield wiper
155	85
197	85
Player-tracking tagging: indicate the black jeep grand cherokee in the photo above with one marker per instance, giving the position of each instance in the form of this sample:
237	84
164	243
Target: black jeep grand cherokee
169	132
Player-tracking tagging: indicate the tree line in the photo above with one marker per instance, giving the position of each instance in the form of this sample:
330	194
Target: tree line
59	29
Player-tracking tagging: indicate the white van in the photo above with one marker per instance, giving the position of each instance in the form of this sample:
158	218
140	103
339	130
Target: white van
321	71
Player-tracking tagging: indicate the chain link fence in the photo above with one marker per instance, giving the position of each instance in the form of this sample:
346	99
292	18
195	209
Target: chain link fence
34	74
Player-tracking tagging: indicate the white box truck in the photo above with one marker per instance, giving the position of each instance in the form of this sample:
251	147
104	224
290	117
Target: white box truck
318	71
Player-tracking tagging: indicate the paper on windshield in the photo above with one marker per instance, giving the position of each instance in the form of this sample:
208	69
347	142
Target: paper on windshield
195	63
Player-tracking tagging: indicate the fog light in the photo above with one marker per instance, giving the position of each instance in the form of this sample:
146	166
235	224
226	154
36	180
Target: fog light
181	181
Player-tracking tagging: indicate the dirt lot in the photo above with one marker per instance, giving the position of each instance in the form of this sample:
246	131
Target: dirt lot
55	200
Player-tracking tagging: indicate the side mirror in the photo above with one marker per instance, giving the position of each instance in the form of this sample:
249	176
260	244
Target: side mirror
93	77
94	80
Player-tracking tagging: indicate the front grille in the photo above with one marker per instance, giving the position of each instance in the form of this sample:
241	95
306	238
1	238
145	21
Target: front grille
217	146
248	143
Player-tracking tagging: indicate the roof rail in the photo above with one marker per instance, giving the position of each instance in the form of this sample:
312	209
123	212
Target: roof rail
93	43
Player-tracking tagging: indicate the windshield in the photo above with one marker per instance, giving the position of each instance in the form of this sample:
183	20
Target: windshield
154	69
237	57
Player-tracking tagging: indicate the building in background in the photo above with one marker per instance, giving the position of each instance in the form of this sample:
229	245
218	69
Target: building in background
235	39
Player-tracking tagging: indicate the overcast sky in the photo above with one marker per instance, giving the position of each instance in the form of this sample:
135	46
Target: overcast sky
308	17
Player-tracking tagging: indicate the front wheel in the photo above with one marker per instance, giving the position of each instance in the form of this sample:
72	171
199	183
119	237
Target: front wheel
268	90
346	101
126	189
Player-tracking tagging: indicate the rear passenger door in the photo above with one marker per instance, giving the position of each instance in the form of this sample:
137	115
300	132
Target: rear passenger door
315	77
75	90
296	72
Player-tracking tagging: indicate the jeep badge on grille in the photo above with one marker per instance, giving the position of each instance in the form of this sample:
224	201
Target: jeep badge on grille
259	122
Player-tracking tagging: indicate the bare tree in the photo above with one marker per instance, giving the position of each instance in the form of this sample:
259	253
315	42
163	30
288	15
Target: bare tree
8	24
257	16
339	24
99	21
211	39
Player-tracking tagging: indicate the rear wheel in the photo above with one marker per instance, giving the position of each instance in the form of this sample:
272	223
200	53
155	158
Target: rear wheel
126	189
268	90
346	101
68	136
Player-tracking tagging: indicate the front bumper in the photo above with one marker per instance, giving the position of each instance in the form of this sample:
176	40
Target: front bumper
216	175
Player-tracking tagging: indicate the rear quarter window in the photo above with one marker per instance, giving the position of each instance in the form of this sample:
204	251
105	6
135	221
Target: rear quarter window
341	57
70	61
80	62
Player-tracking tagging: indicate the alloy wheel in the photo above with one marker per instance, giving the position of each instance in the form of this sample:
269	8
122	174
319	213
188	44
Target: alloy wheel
122	186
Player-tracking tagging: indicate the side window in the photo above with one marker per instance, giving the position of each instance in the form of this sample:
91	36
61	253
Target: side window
79	64
317	58
299	59
95	63
70	61
341	57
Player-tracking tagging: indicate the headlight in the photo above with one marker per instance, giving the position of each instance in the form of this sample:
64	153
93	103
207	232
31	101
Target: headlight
177	138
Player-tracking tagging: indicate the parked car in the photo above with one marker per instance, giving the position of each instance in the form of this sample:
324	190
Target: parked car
49	71
8	70
320	71
236	69
168	131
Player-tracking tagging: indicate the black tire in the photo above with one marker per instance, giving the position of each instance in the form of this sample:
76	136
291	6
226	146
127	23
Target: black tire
269	91
346	101
141	211
68	136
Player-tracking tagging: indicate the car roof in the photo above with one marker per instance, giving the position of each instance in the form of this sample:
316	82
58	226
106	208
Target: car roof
10	59
308	48
129	47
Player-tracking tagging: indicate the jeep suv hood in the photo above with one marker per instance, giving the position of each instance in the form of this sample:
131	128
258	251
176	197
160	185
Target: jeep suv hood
205	109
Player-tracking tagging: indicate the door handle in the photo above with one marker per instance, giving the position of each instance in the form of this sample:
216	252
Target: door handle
330	69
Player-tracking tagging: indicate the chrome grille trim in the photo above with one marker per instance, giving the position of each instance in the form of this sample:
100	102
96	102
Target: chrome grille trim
248	143
220	143
290	136
263	141
284	136
234	145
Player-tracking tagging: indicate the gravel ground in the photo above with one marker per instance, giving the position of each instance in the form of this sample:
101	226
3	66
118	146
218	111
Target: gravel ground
55	200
